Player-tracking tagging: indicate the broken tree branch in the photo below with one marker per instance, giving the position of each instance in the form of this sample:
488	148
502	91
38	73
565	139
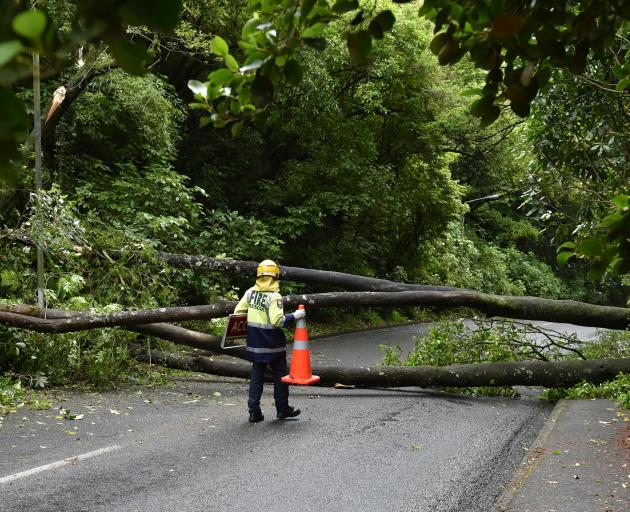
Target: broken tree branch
298	274
525	308
523	373
170	332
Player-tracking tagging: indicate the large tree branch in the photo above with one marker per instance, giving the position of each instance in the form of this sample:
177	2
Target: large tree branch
170	332
298	274
527	308
524	373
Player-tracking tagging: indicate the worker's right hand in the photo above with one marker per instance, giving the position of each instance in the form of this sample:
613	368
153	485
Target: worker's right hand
299	313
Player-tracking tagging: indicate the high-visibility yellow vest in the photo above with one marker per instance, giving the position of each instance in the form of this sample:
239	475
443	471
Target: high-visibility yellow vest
265	319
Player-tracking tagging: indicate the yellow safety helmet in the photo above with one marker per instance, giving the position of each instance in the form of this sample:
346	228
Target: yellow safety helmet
268	268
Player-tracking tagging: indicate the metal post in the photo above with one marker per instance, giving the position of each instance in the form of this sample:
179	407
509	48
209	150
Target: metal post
38	171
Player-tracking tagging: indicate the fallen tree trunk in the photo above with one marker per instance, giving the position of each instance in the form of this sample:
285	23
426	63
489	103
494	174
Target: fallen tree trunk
183	336
539	373
298	274
170	332
526	308
524	373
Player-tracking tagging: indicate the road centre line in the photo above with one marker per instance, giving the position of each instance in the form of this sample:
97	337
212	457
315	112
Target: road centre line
60	463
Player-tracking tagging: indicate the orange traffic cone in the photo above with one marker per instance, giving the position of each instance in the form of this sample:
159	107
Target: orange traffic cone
300	372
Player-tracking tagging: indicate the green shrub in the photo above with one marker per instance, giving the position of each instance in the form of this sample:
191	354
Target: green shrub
15	395
617	390
452	342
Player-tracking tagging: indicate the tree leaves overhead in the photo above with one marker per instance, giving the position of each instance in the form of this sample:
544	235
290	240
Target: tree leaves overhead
92	20
503	37
516	43
30	24
610	250
8	50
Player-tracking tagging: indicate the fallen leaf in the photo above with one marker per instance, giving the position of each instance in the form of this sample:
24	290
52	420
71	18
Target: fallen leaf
556	452
65	413
338	385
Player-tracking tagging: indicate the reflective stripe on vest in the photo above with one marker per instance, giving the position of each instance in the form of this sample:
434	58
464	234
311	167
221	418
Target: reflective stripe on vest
261	326
265	350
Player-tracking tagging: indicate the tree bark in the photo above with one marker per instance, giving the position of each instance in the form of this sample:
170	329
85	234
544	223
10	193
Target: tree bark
540	373
170	332
298	274
527	308
523	373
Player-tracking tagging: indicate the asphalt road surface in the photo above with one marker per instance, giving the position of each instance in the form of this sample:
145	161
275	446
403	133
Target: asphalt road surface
189	447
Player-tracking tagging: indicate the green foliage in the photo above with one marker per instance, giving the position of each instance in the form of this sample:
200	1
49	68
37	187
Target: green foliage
453	342
610	250
15	395
516	45
56	33
618	390
609	345
473	263
504	228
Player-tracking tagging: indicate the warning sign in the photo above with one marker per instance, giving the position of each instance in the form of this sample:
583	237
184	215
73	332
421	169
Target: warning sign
235	329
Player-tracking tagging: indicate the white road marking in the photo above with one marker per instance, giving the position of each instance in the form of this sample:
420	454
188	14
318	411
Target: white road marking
60	463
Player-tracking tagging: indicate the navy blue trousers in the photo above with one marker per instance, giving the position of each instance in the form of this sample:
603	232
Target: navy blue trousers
280	389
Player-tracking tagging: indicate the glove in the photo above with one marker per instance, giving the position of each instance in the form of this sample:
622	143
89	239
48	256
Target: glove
299	313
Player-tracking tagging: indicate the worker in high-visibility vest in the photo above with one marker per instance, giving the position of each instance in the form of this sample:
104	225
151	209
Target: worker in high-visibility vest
266	342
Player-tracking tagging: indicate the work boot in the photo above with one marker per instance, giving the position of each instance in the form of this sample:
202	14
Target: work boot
256	416
291	412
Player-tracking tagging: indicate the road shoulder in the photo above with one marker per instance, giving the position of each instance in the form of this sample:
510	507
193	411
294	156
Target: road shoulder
580	461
